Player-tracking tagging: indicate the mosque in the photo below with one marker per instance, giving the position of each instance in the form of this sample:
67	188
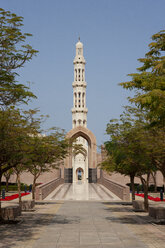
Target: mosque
81	166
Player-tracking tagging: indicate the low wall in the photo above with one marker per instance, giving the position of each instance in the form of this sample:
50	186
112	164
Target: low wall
157	212
138	205
43	190
121	190
11	212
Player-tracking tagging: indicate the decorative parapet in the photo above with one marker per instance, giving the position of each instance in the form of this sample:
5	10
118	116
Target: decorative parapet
43	190
121	190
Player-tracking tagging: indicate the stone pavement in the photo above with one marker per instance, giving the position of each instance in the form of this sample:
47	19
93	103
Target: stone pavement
84	216
86	224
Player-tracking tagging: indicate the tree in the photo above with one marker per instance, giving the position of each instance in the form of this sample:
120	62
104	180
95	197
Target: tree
45	153
14	135
149	82
18	170
157	146
14	53
128	149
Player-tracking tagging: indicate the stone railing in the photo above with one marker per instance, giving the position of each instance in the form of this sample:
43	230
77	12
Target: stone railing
121	190
43	190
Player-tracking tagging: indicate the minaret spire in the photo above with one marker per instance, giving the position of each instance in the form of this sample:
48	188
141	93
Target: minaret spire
79	110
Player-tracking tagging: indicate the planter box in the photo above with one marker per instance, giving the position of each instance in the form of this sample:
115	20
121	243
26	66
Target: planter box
27	205
138	205
157	212
10	213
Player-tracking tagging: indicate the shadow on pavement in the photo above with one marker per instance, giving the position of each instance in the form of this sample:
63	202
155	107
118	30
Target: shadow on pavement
124	220
47	202
62	219
118	209
29	226
118	203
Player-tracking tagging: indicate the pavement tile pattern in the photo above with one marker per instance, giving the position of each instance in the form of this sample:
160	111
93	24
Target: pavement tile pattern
91	223
87	225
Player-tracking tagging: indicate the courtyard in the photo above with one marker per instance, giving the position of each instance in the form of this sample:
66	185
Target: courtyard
94	222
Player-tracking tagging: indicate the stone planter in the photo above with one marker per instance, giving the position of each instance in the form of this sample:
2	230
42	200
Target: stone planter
11	212
157	212
27	205
138	205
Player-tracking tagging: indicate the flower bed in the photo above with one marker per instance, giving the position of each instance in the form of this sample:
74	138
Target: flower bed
156	199
12	197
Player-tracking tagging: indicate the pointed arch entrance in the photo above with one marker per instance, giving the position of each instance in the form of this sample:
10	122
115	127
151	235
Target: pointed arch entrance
89	165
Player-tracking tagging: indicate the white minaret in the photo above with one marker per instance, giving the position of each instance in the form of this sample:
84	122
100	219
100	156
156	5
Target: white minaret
79	110
79	114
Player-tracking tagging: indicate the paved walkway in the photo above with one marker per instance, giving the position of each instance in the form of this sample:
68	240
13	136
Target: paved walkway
85	224
82	191
86	216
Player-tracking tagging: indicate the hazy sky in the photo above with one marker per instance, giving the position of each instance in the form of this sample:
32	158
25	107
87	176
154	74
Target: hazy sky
115	33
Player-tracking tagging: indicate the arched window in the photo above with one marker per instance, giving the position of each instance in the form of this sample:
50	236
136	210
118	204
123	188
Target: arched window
75	74
75	99
82	74
83	100
79	74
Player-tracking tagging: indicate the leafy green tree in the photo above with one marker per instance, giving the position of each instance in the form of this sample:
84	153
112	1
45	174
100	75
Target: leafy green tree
46	151
157	148
14	53
128	149
14	135
149	82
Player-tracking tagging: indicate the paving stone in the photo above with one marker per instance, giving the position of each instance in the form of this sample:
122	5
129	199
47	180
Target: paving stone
84	224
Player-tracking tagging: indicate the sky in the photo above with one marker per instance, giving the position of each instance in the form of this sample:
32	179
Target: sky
115	33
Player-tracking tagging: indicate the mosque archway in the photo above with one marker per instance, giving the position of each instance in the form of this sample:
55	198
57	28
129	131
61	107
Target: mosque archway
85	161
80	174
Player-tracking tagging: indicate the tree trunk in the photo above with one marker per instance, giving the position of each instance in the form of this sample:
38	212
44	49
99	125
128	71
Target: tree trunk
155	183
34	187
163	173
0	197
7	184
132	186
145	186
19	188
164	183
145	196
